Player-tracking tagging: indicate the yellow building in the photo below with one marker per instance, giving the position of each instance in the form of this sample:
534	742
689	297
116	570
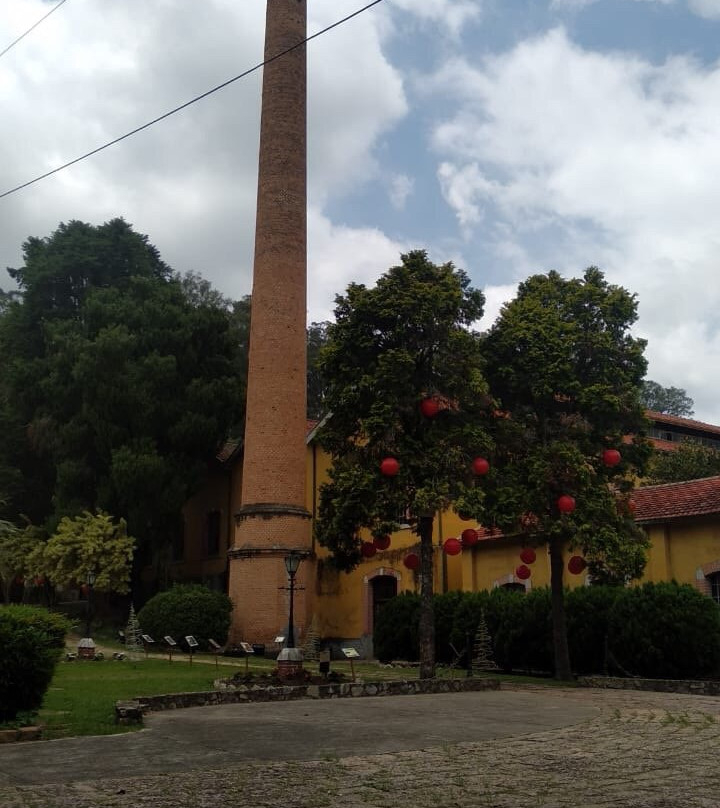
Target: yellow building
682	520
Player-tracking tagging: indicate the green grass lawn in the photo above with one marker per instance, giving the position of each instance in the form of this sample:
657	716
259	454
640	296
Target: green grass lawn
82	695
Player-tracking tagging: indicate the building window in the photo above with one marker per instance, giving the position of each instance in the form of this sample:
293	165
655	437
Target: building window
212	527
715	587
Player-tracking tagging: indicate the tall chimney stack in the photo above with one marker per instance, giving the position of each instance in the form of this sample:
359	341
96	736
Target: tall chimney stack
273	518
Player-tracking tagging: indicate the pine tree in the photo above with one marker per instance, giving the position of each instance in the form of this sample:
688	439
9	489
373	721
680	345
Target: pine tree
482	659
133	638
311	646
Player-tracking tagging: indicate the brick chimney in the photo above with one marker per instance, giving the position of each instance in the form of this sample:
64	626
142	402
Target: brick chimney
273	517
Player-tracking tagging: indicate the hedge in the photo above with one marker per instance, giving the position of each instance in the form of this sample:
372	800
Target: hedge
664	630
31	642
189	609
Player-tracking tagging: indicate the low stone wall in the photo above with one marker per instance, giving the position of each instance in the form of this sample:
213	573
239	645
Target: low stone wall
22	734
691	686
131	712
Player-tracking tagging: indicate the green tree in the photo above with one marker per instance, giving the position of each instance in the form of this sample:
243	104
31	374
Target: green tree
668	400
568	373
392	346
689	461
90	542
316	339
16	547
119	383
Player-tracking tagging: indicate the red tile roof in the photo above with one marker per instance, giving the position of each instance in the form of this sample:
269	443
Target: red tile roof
658	503
676	420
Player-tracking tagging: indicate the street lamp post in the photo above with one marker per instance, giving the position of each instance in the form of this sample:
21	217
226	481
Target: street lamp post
290	659
91	583
292	562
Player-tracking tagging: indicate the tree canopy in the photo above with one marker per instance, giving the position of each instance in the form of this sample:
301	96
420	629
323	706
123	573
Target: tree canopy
119	381
688	461
405	340
88	543
567	374
668	400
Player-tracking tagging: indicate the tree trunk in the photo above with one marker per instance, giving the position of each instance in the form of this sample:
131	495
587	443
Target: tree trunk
427	617
560	641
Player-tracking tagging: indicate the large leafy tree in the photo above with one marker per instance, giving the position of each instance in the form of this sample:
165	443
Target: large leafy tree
689	461
568	375
87	543
392	346
668	400
119	380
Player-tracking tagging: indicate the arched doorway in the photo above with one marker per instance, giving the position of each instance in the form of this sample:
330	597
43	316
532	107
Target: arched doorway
381	585
384	588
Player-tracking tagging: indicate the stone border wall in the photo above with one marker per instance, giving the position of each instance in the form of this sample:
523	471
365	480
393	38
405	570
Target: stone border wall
22	734
691	686
132	711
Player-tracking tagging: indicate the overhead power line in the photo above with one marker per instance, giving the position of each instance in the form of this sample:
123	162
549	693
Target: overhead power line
32	28
192	100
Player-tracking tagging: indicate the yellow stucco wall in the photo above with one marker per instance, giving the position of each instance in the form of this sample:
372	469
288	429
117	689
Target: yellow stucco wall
680	549
342	602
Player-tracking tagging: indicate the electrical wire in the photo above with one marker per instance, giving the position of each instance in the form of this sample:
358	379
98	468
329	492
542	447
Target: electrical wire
192	100
32	28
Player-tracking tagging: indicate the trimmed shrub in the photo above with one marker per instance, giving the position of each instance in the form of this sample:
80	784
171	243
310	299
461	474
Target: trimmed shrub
187	609
467	616
664	631
31	642
445	608
395	634
587	609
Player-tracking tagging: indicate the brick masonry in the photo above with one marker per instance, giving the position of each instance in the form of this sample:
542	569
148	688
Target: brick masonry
274	450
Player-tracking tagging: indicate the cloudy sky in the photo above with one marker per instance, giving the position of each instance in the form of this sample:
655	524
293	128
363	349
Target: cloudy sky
510	136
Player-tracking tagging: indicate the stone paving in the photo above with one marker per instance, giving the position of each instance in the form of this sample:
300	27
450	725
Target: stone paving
646	750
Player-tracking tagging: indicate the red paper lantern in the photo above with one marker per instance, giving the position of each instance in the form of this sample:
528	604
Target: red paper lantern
611	457
522	572
470	536
39	582
452	547
368	549
429	407
631	505
382	542
528	556
84	589
389	467
576	565
412	561
566	503
480	466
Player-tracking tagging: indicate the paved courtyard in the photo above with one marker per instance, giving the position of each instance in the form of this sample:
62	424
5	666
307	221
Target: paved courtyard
518	747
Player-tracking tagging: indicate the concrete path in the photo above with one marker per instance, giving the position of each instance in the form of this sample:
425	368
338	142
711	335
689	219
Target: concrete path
520	747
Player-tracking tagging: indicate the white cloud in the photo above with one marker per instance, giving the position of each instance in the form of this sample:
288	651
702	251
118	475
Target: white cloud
451	14
710	9
94	71
400	188
495	298
613	161
339	255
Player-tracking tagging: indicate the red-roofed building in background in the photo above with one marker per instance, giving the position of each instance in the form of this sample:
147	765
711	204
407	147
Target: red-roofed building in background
681	519
683	523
